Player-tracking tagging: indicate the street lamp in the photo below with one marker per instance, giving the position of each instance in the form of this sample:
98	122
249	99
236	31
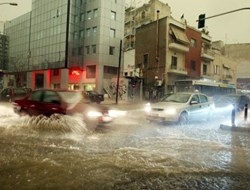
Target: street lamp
12	4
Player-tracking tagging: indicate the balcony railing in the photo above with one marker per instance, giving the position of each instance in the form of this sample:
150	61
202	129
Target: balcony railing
178	47
228	76
207	54
177	70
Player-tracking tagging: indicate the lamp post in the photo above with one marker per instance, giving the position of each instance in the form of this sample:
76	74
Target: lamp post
12	4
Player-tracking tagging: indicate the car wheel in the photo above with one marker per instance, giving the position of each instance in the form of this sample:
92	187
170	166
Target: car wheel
183	119
23	113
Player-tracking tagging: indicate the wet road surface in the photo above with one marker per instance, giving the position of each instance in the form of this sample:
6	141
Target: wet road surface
61	153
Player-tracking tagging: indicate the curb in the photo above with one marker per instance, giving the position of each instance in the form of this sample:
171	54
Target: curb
235	128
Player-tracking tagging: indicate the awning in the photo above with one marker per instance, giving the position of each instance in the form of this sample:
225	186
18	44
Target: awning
226	66
180	35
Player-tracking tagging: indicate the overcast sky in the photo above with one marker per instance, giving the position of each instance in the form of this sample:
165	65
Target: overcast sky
230	28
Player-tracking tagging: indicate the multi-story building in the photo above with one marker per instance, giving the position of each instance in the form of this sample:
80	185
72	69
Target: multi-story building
134	18
161	49
4	46
67	44
207	56
225	67
240	53
168	50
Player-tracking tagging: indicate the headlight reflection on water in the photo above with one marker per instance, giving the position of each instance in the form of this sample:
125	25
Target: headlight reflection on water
147	108
94	114
117	113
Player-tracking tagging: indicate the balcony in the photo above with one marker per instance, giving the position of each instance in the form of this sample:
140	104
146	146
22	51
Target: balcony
177	70
207	55
227	76
178	47
206	74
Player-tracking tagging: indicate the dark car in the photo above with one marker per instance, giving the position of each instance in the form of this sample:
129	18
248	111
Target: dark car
225	104
48	102
93	96
9	94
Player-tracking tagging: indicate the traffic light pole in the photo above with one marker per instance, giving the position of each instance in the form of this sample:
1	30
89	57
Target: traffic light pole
205	18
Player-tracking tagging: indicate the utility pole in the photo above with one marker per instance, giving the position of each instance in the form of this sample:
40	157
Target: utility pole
157	57
118	74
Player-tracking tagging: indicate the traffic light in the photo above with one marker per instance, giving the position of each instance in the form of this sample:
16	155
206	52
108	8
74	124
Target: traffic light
201	21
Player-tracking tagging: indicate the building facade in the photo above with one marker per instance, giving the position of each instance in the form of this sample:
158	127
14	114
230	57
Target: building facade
134	18
162	59
4	47
67	44
240	53
167	50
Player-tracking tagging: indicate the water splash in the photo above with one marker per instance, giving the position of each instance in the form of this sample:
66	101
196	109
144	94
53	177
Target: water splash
56	124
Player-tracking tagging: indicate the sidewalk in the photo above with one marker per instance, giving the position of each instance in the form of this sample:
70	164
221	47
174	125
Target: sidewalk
243	126
123	104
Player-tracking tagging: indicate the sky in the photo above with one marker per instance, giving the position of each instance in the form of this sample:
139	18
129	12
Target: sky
230	28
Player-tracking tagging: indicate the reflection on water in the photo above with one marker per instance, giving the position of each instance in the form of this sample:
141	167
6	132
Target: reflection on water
60	153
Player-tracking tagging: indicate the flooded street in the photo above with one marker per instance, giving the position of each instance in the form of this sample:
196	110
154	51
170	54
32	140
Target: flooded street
61	153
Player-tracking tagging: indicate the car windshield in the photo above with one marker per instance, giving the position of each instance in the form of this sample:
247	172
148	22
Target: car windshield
71	97
179	98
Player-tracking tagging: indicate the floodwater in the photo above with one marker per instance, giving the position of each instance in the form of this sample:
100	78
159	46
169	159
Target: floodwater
61	153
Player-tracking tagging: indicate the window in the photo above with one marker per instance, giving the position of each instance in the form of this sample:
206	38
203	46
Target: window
75	36
74	51
204	69
51	97
195	98
145	60
79	50
174	62
82	17
89	15
56	86
75	19
216	69
87	49
193	43
111	50
55	72
81	33
203	98
36	96
113	15
110	70
88	32
94	30
193	65
90	71
93	48
95	13
112	32
143	15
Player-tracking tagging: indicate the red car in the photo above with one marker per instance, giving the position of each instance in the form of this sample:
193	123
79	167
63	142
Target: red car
48	102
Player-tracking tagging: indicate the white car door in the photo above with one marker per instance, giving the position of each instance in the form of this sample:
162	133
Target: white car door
205	105
194	107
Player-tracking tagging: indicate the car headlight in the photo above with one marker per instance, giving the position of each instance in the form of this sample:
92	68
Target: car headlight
147	108
170	111
94	114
